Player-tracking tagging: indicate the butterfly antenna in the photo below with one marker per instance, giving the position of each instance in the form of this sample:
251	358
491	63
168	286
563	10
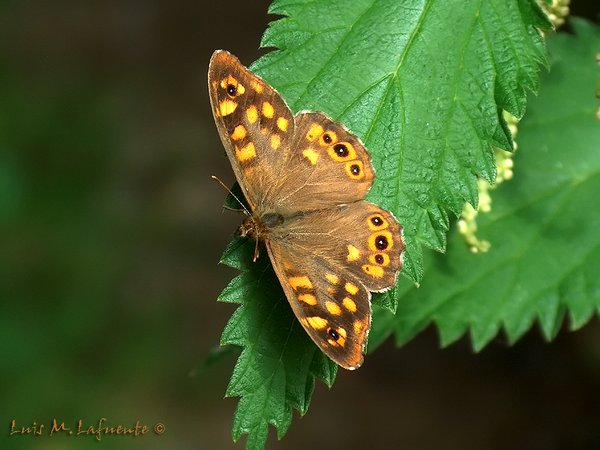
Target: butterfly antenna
218	180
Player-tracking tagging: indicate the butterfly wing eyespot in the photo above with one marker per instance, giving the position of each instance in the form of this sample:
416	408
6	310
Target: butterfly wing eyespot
354	170
381	248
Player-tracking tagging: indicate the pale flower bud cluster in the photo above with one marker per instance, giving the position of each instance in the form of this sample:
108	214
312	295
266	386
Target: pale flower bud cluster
557	11
467	224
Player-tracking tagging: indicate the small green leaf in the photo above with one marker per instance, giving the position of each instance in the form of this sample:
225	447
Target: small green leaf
214	356
276	371
545	256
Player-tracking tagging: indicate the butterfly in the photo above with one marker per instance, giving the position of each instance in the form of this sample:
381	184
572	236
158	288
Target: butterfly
305	177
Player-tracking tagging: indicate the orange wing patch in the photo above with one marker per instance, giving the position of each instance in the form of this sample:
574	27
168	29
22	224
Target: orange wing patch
239	133
332	278
282	123
257	86
333	308
275	141
311	155
300	282
314	131
351	288
373	271
227	107
353	253
316	322
245	153
252	114
309	299
349	304
268	110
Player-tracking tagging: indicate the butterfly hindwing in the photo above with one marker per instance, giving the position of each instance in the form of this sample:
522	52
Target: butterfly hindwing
327	262
360	238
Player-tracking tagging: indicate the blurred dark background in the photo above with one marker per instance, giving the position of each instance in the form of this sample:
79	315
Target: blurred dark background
110	234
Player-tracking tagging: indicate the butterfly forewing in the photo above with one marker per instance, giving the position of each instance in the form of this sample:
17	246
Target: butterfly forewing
333	307
254	122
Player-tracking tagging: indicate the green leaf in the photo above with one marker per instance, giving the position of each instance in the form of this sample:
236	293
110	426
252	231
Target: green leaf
276	371
423	85
545	256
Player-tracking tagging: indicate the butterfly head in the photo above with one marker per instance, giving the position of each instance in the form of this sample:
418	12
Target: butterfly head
250	227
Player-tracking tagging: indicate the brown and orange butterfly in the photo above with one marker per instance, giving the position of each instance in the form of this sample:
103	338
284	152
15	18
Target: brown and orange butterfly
305	178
